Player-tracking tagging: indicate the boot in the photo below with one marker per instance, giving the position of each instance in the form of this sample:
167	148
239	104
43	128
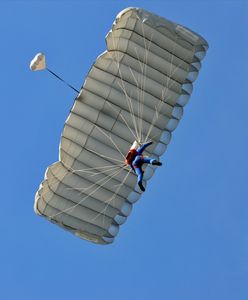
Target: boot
141	186
156	163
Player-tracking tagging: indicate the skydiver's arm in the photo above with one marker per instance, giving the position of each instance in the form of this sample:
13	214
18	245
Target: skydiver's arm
132	167
143	147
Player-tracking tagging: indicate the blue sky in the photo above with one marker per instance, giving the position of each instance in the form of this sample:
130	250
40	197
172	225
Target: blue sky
187	238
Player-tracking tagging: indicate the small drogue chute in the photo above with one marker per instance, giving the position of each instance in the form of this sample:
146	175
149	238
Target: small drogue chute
38	63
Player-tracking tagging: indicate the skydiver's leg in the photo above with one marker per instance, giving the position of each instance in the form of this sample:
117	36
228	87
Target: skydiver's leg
148	160
137	163
143	147
152	161
139	173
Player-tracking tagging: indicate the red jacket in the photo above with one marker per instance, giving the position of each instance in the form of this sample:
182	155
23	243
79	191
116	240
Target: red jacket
131	156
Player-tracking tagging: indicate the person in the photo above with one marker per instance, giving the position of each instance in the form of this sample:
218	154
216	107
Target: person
135	160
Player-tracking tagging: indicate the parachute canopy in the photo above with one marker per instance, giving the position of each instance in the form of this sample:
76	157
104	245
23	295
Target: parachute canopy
38	62
136	90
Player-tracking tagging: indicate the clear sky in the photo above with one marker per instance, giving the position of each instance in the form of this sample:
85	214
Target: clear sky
187	238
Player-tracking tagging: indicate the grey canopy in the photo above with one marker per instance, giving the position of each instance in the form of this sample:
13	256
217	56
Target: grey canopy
136	90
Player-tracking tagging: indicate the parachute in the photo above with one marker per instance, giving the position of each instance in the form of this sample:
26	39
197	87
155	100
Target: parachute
135	91
38	63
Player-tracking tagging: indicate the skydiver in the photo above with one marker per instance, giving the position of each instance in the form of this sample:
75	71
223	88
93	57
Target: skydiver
135	160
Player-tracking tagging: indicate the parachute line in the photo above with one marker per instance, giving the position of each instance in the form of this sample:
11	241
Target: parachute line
107	179
61	79
113	196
